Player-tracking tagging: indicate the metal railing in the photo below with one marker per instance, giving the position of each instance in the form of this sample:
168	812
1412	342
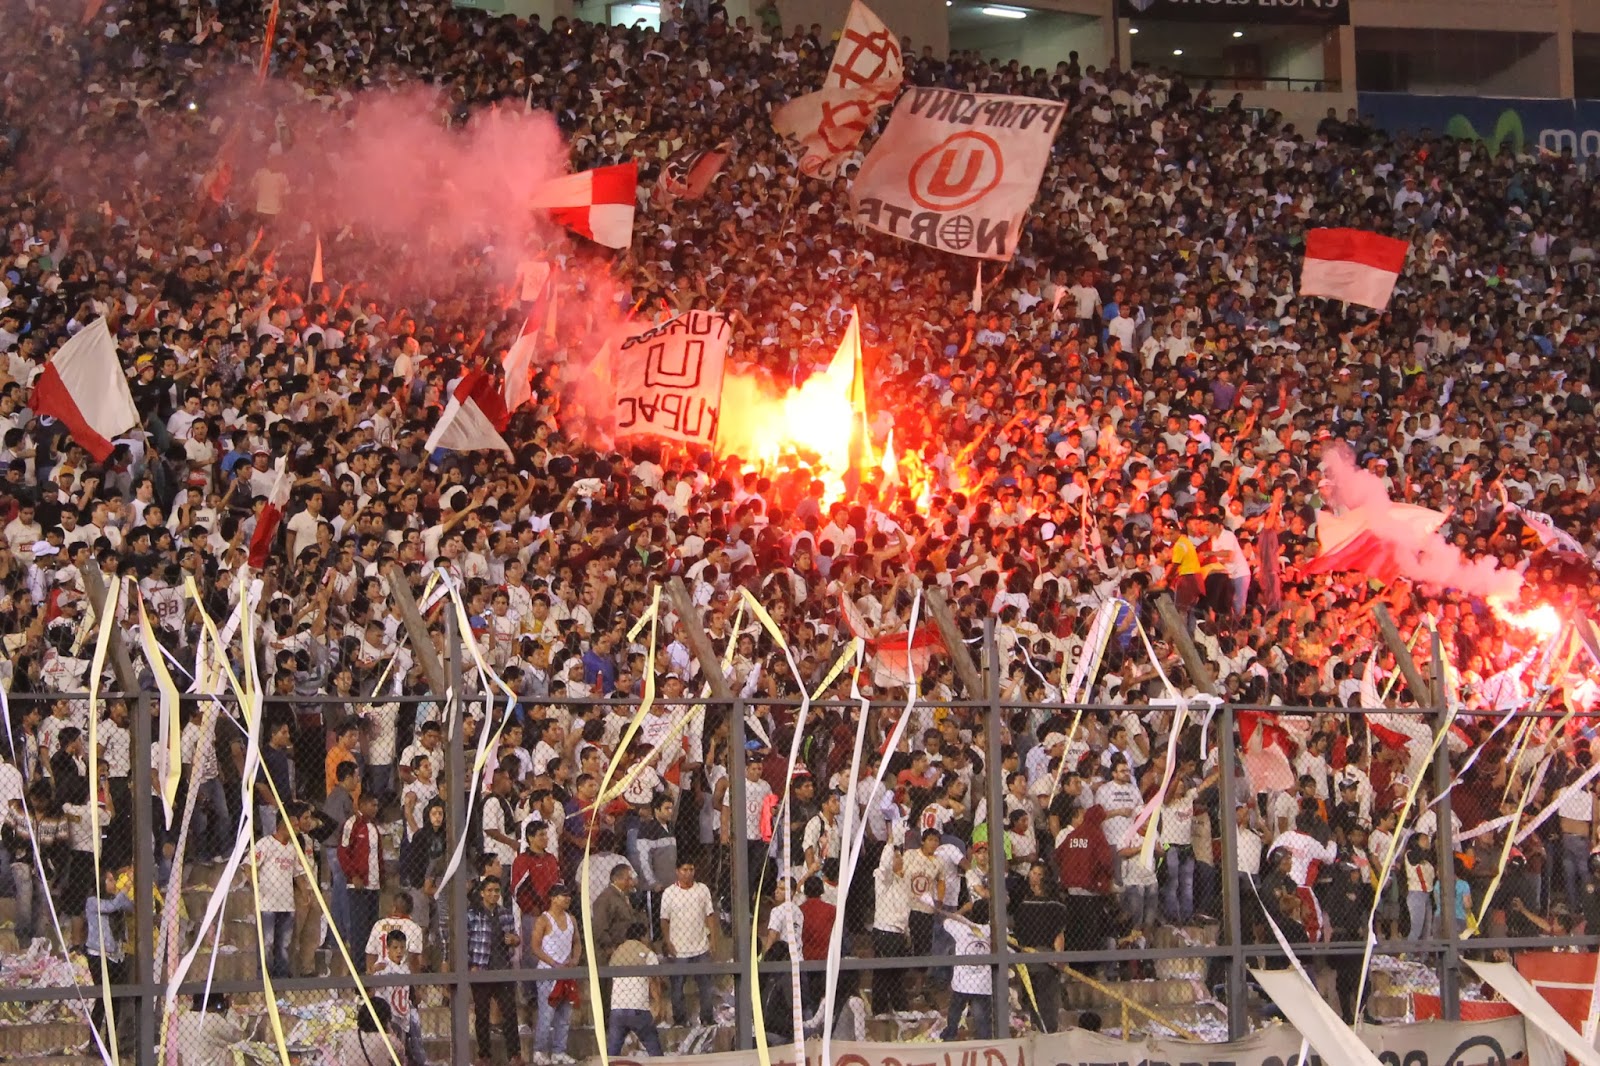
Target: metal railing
1233	948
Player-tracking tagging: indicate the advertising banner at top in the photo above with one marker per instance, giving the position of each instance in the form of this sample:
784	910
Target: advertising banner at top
1526	126
1304	12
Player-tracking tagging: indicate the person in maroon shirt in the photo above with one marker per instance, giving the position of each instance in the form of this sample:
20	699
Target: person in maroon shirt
1084	860
533	873
816	929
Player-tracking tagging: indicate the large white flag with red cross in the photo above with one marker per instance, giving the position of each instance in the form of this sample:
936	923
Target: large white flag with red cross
866	74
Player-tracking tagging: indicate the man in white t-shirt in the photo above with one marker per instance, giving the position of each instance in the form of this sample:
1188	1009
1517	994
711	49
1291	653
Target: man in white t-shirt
687	919
277	868
971	986
302	526
1226	547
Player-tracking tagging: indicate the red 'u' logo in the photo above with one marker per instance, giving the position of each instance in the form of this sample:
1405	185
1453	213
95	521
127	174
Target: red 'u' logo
958	172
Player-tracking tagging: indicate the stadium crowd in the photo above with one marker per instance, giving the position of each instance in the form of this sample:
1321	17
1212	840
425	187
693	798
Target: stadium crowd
1140	405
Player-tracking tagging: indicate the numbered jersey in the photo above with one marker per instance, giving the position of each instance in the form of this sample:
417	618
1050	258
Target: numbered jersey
165	603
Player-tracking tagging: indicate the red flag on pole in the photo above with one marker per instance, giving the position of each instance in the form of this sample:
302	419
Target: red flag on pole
270	517
266	42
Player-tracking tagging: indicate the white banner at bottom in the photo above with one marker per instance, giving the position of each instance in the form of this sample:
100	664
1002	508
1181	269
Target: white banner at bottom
1501	1042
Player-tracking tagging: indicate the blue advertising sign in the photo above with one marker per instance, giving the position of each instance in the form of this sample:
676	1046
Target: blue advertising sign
1525	125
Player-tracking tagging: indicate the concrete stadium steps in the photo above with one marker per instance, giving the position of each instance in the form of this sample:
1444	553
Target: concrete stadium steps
581	1042
38	1042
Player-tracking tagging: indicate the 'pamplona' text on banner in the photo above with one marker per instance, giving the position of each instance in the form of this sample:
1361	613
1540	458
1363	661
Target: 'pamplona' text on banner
957	171
669	378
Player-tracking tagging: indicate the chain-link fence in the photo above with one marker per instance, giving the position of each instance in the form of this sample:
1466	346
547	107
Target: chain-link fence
482	871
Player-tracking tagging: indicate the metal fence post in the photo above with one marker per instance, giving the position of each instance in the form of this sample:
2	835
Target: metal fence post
1232	919
1449	958
739	891
455	808
1001	1011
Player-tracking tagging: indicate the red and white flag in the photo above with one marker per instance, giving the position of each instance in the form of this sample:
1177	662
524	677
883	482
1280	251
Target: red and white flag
1373	539
271	516
897	658
518	361
866	74
597	204
473	418
84	386
689	172
316	263
1352	265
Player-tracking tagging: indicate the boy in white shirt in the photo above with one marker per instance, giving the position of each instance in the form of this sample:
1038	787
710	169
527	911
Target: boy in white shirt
405	1019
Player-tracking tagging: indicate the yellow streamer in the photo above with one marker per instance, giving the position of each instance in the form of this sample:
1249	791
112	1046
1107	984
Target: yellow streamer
169	708
102	646
1394	678
762	1051
672	734
249	698
487	741
651	616
1505	855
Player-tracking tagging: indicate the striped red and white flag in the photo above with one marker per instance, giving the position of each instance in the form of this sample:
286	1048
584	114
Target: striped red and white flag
84	386
1353	265
597	204
271	516
473	418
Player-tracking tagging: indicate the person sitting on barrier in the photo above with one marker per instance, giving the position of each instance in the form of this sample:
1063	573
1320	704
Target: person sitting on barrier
205	1035
368	1042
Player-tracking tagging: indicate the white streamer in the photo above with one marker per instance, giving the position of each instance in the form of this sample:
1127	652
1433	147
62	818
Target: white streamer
846	869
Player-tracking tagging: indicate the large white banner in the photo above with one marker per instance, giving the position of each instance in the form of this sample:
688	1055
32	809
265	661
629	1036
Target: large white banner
1501	1042
957	171
669	378
1494	1043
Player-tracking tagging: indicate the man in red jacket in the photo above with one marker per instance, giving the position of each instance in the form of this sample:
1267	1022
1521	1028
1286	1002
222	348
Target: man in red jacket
1084	860
534	872
361	859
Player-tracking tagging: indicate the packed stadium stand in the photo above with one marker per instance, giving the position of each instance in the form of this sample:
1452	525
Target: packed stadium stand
1106	607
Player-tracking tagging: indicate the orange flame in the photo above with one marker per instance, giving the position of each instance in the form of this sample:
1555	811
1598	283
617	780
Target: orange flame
813	423
1544	621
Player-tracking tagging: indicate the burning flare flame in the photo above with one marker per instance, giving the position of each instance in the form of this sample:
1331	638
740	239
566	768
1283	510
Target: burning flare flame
1544	621
813	422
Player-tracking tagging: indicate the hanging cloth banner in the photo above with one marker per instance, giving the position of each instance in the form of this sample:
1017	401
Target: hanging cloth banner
957	171
1504	979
